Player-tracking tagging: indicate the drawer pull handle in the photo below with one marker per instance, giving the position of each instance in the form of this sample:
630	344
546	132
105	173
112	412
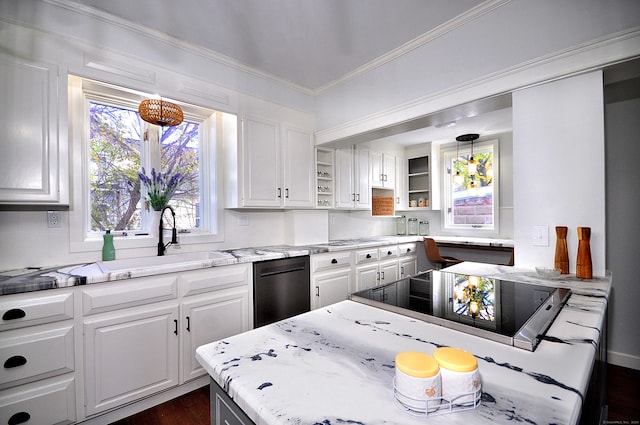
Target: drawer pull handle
15	361
334	261
176	329
188	324
19	418
388	252
408	249
14	313
368	255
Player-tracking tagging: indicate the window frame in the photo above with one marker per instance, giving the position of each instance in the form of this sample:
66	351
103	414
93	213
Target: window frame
81	91
447	153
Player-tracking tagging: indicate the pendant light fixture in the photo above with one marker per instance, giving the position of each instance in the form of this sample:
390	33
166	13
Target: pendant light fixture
160	112
472	165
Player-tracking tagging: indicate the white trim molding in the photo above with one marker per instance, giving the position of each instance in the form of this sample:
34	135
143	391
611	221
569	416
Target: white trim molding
578	59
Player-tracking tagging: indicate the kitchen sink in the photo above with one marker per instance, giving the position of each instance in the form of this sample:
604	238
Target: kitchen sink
130	264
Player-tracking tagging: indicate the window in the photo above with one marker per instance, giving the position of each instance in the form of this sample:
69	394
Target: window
116	144
466	208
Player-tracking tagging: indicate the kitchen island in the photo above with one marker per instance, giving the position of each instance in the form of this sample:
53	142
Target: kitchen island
336	364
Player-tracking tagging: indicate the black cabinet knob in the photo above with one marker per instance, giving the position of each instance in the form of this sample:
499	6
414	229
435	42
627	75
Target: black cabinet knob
15	361
388	252
14	313
368	255
19	418
334	261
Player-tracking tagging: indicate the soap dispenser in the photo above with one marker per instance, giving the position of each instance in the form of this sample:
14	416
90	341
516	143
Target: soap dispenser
108	250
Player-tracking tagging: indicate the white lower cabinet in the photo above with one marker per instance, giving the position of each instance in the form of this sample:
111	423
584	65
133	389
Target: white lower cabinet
209	318
331	288
49	401
408	266
38	378
134	352
376	266
331	278
130	354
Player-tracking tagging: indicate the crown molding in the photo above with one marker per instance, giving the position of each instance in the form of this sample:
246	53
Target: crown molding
585	57
91	12
419	41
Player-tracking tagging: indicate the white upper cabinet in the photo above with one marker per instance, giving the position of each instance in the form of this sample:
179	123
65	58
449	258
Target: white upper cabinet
299	160
261	163
276	165
34	159
383	170
353	187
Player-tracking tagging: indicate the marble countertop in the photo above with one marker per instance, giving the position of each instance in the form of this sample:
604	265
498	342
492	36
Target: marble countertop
336	364
41	278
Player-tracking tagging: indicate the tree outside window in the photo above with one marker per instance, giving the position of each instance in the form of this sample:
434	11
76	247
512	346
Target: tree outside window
466	209
116	149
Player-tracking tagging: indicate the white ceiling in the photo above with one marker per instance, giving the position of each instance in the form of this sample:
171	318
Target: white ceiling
311	43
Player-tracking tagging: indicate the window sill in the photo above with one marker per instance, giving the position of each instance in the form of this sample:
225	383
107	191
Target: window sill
132	241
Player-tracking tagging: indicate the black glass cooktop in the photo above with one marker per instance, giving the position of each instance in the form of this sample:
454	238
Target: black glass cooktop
513	313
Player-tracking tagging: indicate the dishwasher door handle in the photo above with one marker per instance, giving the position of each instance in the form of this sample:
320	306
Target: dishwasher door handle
280	270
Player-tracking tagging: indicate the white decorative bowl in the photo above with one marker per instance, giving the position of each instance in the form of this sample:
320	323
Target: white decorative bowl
547	272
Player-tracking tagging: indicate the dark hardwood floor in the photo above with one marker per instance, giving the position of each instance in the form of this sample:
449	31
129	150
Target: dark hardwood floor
623	395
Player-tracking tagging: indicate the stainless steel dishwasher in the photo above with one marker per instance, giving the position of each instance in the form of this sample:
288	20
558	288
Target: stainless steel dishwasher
280	289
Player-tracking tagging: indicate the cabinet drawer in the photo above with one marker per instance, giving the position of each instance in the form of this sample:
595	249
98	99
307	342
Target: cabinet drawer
20	310
388	252
213	279
366	255
407	249
35	353
330	261
50	401
110	296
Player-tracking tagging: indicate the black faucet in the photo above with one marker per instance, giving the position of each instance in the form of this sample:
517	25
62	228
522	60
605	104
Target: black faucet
174	234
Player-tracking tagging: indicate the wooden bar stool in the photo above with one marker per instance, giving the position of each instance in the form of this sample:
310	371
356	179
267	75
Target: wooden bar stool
433	254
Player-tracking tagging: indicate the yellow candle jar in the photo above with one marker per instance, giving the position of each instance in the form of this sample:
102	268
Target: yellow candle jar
459	374
417	380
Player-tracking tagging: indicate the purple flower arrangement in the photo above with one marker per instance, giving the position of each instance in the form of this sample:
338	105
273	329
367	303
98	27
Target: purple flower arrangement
160	187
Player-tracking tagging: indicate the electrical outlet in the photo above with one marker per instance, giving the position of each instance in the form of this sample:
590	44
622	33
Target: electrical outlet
243	220
53	219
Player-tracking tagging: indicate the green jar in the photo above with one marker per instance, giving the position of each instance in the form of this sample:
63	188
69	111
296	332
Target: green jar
108	250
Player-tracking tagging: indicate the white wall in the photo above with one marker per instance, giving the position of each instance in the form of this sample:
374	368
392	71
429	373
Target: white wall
558	167
623	230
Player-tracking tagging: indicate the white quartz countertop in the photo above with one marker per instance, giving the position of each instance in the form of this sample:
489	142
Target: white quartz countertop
40	278
336	364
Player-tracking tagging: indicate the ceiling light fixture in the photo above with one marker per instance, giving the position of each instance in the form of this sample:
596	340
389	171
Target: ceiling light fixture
160	112
472	165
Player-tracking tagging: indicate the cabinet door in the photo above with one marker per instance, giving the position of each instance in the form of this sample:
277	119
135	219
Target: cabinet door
331	288
130	354
367	276
383	170
261	163
33	169
299	176
388	271
362	183
209	318
376	165
408	266
389	171
345	193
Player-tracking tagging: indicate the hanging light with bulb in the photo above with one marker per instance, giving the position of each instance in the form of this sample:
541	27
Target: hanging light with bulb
472	165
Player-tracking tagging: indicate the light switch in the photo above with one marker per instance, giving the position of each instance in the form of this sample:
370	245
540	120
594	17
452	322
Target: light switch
540	236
